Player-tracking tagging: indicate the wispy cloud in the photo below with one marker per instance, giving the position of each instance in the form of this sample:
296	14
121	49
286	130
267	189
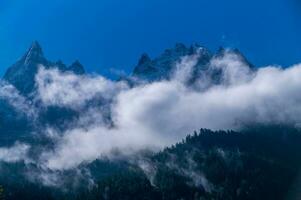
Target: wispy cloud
16	153
157	114
70	90
11	95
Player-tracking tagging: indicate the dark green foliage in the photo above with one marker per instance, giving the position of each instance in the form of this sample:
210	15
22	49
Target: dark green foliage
260	163
129	185
257	163
174	186
1	192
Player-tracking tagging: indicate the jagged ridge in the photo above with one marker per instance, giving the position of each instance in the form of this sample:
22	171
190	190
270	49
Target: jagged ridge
22	73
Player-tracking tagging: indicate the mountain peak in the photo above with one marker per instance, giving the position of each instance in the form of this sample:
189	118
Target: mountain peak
163	66
22	73
35	45
76	62
223	51
33	54
180	47
77	68
144	59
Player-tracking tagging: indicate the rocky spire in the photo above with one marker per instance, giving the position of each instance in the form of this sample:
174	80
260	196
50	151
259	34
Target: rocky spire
223	51
23	72
144	59
34	54
77	68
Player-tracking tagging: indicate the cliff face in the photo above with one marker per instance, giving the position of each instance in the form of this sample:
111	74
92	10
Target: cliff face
164	65
22	73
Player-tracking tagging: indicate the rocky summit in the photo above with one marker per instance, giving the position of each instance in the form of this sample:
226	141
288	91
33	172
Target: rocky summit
163	66
22	73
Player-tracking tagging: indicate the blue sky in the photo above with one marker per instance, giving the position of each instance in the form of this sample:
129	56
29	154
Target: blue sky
105	34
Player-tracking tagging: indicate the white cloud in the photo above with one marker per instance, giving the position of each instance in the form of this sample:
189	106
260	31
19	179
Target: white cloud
161	113
10	94
70	90
17	152
233	68
184	68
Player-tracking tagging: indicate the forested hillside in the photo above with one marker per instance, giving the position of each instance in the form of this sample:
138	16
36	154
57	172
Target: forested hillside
258	163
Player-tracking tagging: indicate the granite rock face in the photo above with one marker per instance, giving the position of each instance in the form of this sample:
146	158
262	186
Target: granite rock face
164	65
76	68
22	73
